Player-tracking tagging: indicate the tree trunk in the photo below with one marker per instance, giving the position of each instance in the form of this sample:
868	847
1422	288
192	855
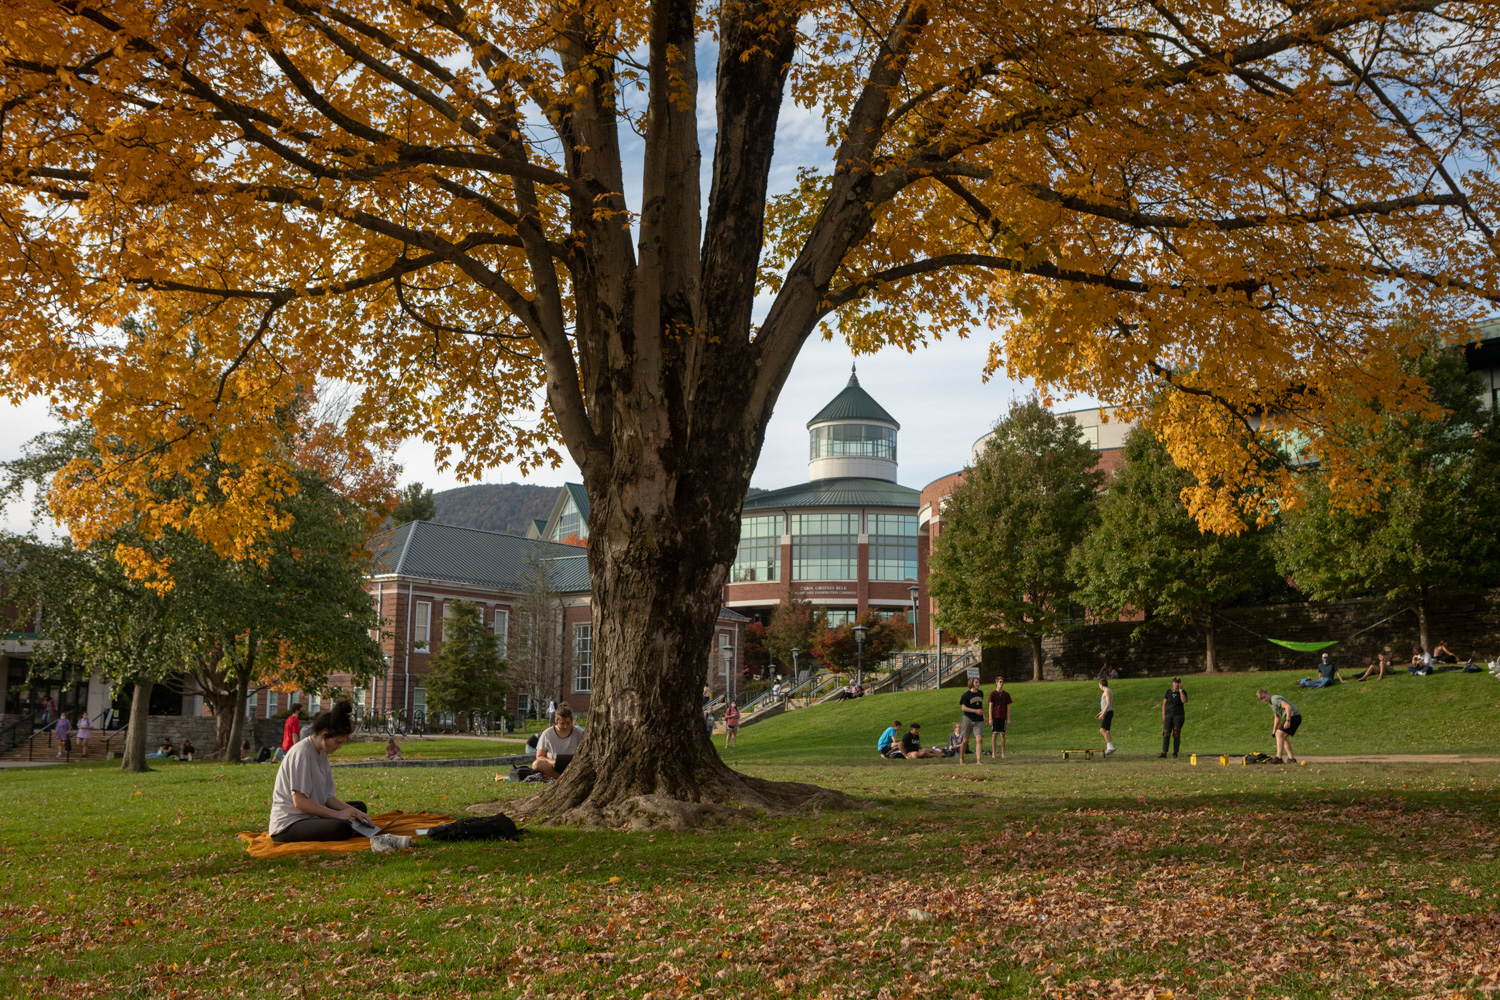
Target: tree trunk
1423	636
237	722
1036	657
134	758
658	569
1210	654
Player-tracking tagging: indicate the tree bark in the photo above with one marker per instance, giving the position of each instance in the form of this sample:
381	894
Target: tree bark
134	758
1210	653
1423	637
1036	657
237	723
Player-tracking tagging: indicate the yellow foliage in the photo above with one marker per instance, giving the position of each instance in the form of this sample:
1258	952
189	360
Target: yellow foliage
1231	215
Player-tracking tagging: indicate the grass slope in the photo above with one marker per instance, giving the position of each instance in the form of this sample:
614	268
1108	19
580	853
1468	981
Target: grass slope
1444	713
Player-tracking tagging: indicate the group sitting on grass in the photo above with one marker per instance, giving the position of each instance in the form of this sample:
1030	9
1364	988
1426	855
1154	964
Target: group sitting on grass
893	746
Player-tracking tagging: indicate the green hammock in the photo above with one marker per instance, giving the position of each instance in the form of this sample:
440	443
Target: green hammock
1304	647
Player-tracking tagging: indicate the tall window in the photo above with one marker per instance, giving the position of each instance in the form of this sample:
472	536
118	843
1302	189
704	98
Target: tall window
570	522
825	546
271	700
501	627
419	701
314	704
250	700
583	657
860	440
758	559
838	616
893	546
422	630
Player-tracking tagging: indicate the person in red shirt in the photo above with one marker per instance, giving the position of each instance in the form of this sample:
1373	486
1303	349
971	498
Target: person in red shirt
999	715
293	731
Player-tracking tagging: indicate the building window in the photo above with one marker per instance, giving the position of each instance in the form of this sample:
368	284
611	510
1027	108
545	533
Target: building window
893	546
825	546
583	658
271	701
314	703
569	522
758	559
250	704
422	630
501	627
838	616
853	440
419	701
523	704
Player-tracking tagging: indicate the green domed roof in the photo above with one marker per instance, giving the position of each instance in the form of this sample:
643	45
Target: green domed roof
853	404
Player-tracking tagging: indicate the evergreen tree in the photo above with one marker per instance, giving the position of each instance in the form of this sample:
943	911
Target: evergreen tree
999	569
1430	523
1149	555
467	673
414	503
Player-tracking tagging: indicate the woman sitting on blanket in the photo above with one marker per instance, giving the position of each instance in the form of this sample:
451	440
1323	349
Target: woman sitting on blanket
303	806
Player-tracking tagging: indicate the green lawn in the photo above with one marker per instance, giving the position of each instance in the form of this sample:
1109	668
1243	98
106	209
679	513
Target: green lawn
1444	713
1130	877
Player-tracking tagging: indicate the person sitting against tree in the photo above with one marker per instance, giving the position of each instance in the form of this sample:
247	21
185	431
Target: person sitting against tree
1378	668
557	745
911	745
1328	674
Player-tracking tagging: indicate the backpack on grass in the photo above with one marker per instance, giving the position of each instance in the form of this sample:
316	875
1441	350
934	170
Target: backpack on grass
496	827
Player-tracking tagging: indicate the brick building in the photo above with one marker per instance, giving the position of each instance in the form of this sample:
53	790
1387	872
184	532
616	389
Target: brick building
847	539
424	568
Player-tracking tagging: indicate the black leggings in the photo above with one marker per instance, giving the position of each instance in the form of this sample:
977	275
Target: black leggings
318	828
1171	730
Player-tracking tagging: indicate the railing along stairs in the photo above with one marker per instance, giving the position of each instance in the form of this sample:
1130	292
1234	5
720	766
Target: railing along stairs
28	740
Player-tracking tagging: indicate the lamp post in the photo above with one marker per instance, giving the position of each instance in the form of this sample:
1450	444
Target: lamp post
728	653
915	616
939	676
859	655
797	673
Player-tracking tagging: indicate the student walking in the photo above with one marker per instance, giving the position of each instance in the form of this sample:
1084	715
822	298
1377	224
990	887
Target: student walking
1286	720
731	724
972	704
1173	715
1106	714
63	733
82	733
1000	700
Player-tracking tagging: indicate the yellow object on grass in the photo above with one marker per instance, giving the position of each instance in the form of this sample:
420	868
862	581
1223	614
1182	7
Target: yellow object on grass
260	845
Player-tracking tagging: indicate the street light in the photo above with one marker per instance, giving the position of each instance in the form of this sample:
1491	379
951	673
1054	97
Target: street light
913	590
859	655
728	653
797	675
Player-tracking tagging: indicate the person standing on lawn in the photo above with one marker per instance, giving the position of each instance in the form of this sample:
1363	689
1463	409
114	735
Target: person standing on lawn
1285	722
1106	714
972	704
292	731
731	724
1173	715
1000	700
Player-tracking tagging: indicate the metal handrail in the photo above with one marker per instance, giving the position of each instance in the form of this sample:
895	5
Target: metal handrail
9	733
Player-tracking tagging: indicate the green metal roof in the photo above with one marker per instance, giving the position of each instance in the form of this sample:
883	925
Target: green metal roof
853	404
837	492
469	555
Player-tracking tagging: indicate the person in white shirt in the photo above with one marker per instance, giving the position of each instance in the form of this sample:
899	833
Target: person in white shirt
1106	714
560	739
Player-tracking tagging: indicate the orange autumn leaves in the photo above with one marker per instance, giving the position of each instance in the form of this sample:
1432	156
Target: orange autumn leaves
1235	217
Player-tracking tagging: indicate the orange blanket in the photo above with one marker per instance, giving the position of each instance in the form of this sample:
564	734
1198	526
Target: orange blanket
260	845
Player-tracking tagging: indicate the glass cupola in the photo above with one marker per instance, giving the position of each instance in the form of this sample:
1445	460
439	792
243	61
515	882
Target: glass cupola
853	436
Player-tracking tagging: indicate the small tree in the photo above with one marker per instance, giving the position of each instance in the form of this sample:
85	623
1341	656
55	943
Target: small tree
414	503
838	647
467	674
1433	519
999	569
1148	554
793	625
535	646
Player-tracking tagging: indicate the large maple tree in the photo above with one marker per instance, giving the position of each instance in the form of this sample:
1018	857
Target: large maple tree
428	198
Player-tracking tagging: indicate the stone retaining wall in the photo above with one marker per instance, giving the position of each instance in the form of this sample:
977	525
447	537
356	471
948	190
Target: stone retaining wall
200	730
1468	622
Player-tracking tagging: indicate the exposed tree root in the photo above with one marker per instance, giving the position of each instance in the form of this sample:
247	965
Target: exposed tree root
730	798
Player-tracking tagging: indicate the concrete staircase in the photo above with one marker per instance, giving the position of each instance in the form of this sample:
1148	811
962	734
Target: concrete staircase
42	748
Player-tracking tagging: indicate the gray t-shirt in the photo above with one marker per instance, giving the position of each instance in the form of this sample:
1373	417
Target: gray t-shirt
304	769
549	744
1277	701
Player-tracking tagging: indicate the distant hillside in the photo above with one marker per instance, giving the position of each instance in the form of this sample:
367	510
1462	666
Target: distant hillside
507	507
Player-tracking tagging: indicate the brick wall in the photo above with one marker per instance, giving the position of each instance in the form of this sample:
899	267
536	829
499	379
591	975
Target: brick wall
1469	623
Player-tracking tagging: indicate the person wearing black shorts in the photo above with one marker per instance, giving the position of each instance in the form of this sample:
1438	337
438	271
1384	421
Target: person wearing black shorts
1000	700
1173	715
1286	720
1106	714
